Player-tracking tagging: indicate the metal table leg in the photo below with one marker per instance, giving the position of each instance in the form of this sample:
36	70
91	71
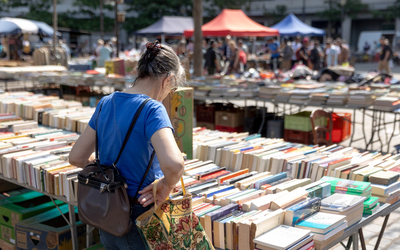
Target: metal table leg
355	241
361	234
391	136
353	127
381	232
74	233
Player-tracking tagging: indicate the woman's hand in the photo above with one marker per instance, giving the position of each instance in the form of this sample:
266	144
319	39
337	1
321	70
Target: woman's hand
163	190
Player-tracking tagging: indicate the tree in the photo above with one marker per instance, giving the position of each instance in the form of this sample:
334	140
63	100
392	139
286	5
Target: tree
277	15
149	12
391	12
38	9
214	7
198	37
352	8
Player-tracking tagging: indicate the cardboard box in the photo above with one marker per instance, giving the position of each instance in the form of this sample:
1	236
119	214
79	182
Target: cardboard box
115	66
179	106
49	230
7	246
7	234
232	118
21	207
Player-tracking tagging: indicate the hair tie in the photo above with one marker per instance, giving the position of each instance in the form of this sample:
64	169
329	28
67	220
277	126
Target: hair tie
153	49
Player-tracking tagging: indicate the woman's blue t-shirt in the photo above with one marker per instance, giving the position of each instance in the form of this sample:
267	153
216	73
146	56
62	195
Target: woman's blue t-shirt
115	117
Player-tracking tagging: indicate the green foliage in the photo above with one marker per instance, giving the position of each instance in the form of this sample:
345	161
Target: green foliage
277	15
149	12
390	13
38	9
352	8
214	7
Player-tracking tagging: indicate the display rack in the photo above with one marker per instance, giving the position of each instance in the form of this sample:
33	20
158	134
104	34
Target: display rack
71	222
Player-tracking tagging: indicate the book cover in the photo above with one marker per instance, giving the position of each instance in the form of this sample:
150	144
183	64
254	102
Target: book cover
270	179
302	210
340	185
384	190
322	191
321	222
371	210
371	202
282	237
341	202
384	178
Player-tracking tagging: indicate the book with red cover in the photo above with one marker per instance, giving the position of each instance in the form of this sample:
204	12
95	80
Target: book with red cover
214	175
335	162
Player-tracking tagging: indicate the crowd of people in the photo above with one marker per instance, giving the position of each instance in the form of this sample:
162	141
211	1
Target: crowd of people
231	56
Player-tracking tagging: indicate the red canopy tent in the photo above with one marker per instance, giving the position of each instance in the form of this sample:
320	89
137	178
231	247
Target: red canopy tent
234	23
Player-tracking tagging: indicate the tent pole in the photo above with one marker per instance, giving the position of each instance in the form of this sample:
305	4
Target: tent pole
55	26
163	39
254	45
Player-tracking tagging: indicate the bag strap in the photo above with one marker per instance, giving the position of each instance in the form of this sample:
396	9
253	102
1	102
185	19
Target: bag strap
145	173
128	134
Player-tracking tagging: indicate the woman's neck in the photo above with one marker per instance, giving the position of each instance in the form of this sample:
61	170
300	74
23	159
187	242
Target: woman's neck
145	87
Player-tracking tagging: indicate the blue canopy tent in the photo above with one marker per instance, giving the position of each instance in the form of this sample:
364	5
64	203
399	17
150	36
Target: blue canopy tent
168	25
292	26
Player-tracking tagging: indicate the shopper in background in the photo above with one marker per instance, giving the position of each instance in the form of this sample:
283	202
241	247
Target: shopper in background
316	55
302	53
181	49
64	45
331	54
273	49
243	54
103	53
385	56
286	55
211	62
234	63
296	45
343	57
227	48
158	73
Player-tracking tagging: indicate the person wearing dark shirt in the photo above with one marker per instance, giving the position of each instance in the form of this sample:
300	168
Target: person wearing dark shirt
315	56
211	63
385	56
303	51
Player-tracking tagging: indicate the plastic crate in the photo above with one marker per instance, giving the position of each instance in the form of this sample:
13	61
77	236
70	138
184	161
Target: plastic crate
302	122
205	113
298	136
341	127
229	129
275	128
233	118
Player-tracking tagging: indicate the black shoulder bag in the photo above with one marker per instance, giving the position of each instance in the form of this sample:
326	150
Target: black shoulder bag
103	201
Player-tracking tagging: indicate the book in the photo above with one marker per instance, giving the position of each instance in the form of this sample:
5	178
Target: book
384	190
384	178
210	217
344	186
282	237
331	233
290	199
263	202
341	202
370	202
371	210
322	191
302	210
321	222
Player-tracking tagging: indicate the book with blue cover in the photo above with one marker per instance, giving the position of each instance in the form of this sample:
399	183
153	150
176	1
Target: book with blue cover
302	210
270	179
321	222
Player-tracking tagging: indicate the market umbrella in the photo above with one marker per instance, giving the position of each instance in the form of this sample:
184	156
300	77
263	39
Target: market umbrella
292	26
14	26
234	23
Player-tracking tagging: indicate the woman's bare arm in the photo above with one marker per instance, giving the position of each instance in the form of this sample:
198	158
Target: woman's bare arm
82	152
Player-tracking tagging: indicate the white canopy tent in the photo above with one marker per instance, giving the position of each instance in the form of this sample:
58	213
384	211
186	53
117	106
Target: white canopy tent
15	26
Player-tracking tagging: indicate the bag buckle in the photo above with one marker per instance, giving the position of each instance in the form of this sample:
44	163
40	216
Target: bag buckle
104	187
87	181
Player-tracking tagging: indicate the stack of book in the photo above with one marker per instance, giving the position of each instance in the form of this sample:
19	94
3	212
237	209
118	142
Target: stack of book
318	99
371	205
337	99
285	237
387	103
360	98
269	92
342	186
300	96
283	97
326	227
351	206
386	186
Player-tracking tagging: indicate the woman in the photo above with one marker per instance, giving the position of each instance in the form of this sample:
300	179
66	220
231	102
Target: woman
234	66
158	73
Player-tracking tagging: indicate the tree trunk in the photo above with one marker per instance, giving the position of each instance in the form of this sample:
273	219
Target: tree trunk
198	38
329	28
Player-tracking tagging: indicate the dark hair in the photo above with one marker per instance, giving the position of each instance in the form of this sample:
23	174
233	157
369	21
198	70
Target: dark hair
159	61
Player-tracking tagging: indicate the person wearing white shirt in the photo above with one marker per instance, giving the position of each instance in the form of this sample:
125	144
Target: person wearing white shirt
295	46
331	54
